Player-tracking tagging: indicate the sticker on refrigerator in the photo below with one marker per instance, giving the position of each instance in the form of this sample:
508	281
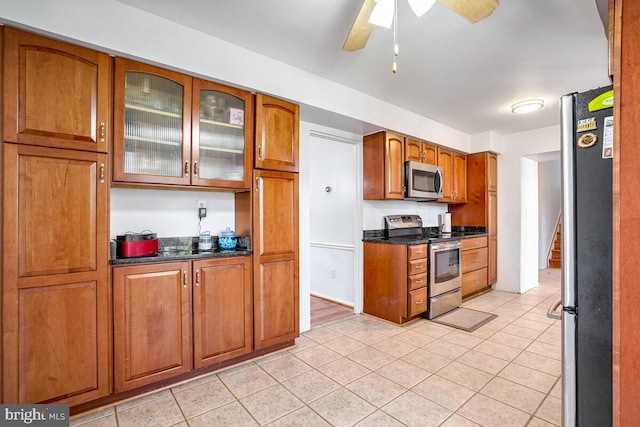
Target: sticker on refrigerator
587	140
607	138
587	124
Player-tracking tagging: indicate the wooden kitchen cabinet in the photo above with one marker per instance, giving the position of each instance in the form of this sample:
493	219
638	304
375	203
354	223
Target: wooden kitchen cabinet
481	209
152	323
222	310
172	129
454	175
277	134
395	281
383	166
170	318
276	259
474	265
420	151
55	94
55	294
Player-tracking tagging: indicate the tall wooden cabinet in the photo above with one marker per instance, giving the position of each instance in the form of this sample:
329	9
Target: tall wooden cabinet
276	259
55	189
481	208
383	163
55	305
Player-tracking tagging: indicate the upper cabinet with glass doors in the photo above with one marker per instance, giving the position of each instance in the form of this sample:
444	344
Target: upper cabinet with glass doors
178	130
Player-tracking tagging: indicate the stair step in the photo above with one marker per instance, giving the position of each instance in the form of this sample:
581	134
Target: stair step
556	253
557	245
554	263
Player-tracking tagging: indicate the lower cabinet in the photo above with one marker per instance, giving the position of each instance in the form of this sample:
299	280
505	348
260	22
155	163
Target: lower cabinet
395	281
172	317
475	256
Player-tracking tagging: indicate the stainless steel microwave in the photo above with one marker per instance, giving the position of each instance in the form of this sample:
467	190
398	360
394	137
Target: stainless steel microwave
422	181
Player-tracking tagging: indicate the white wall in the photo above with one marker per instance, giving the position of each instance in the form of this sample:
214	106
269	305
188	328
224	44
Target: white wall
169	213
549	204
518	256
332	230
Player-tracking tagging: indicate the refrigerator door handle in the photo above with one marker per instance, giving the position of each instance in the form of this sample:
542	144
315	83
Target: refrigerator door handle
552	313
567	111
569	374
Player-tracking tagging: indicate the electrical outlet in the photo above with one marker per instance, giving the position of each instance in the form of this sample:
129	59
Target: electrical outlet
332	273
202	213
202	204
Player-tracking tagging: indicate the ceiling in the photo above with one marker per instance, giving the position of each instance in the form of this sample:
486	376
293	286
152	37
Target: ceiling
460	74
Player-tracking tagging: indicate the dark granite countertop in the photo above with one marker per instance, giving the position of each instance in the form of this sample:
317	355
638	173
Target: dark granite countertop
181	256
184	248
429	235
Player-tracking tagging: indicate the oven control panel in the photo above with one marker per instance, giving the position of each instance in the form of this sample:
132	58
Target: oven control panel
394	222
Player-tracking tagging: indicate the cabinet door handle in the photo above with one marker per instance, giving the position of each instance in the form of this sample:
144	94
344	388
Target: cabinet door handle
195	168
419	302
102	131
418	252
257	184
259	152
184	279
101	173
421	266
419	281
197	277
186	168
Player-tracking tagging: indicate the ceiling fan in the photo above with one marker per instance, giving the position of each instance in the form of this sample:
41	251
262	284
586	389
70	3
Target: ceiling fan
472	10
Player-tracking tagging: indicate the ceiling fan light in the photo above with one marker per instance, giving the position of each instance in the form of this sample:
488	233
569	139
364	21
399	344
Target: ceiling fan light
527	106
382	14
420	7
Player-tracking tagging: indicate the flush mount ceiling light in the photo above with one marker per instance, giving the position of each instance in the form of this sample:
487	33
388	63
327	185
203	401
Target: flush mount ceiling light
527	106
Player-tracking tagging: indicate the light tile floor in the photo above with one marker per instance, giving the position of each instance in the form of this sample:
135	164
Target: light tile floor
365	372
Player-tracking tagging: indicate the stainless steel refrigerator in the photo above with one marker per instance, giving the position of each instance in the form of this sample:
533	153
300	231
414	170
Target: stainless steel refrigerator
587	152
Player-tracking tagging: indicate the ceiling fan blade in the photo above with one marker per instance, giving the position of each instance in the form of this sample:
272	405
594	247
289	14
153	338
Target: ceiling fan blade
472	10
359	34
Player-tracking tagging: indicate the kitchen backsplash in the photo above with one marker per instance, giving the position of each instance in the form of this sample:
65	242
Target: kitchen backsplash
373	212
169	212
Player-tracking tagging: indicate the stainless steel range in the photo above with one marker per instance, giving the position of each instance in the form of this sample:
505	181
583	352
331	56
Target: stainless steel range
445	277
445	270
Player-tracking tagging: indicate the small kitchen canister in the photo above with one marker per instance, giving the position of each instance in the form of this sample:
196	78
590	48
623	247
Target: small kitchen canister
204	241
227	239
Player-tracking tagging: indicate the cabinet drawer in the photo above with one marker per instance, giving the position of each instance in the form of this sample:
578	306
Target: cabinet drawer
417	281
417	302
417	266
474	259
417	251
474	281
473	243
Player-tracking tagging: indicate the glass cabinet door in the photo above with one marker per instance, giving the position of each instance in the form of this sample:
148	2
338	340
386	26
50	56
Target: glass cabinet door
152	122
222	123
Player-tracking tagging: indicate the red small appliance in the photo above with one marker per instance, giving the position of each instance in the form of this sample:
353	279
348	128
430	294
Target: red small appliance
136	245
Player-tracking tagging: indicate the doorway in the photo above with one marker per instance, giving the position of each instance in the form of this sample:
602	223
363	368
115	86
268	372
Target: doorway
334	224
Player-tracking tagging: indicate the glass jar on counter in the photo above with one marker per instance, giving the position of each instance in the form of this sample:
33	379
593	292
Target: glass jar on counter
227	239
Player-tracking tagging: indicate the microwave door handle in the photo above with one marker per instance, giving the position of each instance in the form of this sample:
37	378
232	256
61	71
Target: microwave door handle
439	183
